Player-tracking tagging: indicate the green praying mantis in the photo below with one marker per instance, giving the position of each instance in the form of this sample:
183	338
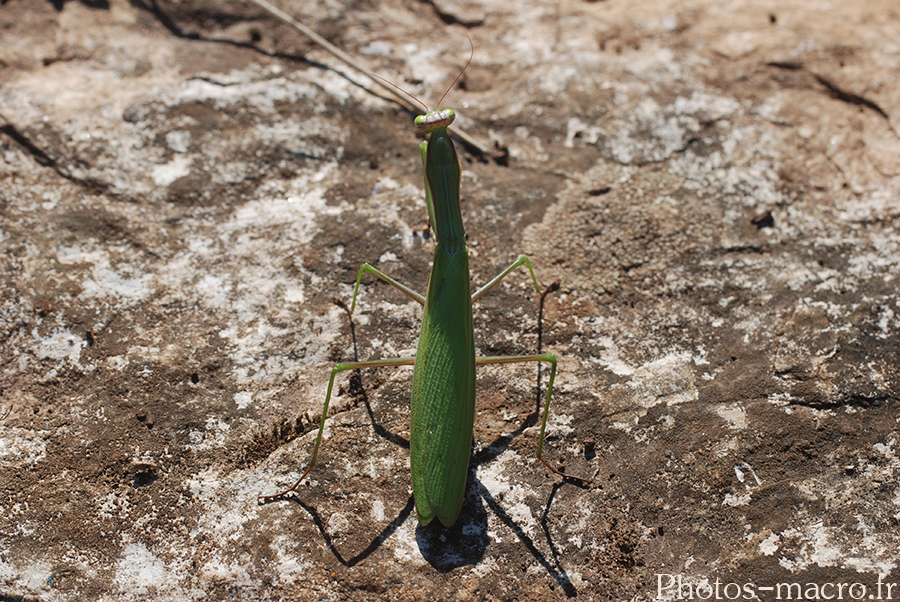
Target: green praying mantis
442	409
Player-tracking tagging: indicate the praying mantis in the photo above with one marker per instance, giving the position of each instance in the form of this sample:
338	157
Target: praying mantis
442	408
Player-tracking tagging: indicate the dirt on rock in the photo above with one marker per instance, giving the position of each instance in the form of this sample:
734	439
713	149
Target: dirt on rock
187	186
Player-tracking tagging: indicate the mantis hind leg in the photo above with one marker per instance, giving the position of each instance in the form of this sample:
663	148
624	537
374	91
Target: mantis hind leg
338	368
549	359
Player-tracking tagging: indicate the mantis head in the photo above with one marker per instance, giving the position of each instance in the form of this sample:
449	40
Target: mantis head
433	120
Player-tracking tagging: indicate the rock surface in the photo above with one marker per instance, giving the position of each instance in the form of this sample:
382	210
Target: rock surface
187	185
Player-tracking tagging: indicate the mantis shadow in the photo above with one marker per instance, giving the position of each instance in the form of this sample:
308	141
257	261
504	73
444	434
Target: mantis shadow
465	543
379	539
467	540
358	391
501	443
